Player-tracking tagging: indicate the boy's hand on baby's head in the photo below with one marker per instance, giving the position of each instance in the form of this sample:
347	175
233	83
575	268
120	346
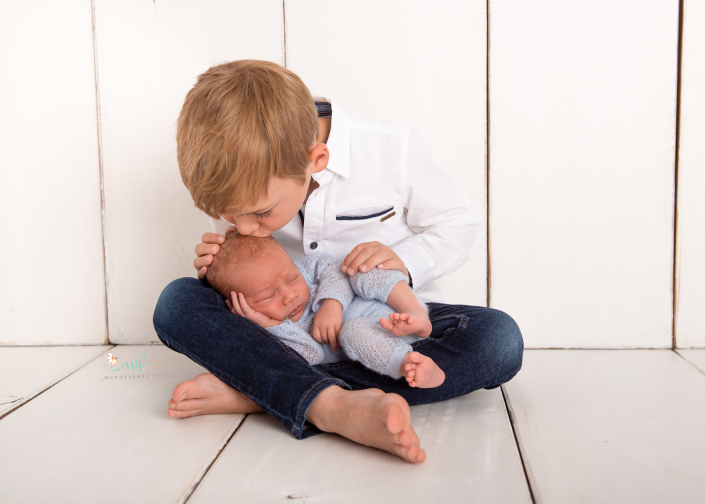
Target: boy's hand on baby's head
238	305
366	256
327	323
209	246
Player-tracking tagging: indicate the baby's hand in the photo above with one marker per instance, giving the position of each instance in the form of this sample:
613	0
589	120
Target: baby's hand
327	323
239	306
366	256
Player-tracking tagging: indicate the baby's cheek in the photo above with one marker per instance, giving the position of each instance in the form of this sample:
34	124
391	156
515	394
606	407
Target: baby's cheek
270	311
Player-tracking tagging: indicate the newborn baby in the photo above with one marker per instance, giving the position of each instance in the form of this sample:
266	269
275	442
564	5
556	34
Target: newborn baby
311	305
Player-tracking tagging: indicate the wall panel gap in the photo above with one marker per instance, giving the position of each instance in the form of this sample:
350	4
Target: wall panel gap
100	168
487	159
284	31
674	295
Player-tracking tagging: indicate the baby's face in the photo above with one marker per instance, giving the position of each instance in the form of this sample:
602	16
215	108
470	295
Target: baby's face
274	286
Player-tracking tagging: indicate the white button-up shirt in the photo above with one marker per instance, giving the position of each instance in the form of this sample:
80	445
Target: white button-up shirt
381	184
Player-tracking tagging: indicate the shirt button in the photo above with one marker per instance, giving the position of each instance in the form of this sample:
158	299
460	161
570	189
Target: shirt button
313	245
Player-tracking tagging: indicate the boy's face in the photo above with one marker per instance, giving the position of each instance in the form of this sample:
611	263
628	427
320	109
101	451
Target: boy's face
283	201
274	286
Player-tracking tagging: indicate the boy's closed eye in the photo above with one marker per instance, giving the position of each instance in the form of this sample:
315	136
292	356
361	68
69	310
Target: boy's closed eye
264	214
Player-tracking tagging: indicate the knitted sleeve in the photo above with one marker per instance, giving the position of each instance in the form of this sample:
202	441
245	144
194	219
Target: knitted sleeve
299	340
376	284
332	282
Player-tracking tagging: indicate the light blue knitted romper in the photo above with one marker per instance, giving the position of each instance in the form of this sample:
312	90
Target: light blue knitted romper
363	297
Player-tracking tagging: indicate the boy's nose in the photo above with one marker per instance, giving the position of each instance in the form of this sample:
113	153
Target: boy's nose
247	225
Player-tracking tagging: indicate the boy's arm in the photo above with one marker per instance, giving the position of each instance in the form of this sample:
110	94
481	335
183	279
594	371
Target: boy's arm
446	221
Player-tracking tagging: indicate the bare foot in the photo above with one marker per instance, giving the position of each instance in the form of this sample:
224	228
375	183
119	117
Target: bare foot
206	395
403	324
421	371
369	417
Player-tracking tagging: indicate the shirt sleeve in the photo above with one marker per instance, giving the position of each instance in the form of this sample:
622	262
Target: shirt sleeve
332	282
444	218
299	340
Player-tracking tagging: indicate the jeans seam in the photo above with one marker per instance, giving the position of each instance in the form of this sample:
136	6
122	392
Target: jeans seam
298	407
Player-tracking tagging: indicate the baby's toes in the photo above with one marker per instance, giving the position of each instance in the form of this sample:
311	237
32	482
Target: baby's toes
415	358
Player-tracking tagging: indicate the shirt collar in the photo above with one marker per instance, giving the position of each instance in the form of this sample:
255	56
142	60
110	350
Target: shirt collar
339	142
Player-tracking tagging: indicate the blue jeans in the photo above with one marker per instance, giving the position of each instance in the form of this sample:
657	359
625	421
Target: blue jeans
476	348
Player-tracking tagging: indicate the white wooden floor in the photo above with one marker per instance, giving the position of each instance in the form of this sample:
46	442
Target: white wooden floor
574	426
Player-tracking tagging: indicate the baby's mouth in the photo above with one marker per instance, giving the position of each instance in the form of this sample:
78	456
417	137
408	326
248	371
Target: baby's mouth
296	311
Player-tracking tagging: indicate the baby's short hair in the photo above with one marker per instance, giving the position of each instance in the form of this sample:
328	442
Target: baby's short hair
241	124
235	253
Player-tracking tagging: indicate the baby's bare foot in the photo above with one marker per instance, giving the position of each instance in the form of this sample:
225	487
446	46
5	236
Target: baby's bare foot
369	417
207	395
421	371
403	324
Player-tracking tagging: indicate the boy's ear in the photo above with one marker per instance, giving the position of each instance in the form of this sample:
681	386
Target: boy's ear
319	157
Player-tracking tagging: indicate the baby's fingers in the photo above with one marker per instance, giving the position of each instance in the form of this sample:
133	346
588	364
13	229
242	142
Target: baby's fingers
316	334
332	338
249	312
235	305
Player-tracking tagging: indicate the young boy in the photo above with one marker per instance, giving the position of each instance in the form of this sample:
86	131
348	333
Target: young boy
300	302
256	152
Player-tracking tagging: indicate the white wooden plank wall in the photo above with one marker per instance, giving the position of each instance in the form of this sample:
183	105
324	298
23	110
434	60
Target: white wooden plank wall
149	55
582	134
53	288
420	63
690	269
582	130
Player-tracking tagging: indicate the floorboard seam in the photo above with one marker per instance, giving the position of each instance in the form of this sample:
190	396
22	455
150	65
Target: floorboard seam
204	470
31	397
516	442
675	350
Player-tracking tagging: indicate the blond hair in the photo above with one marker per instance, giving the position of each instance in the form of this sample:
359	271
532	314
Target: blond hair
243	123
